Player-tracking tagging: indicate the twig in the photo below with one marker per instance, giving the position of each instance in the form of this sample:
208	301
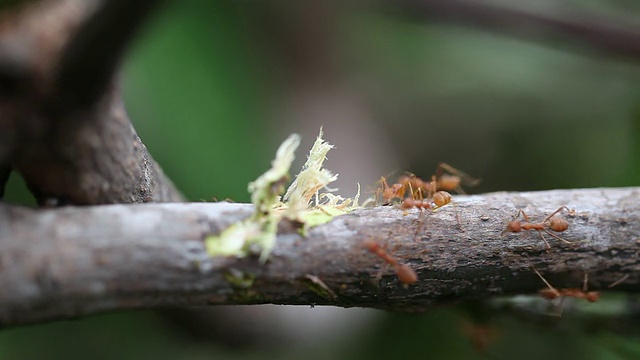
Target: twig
72	262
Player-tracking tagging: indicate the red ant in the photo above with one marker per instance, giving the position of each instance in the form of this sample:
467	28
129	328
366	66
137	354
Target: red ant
399	189
440	181
391	192
417	185
439	199
550	223
405	274
449	181
552	293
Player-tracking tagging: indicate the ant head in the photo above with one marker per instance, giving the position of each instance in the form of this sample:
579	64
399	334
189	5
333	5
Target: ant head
514	226
370	244
549	294
558	224
593	296
405	178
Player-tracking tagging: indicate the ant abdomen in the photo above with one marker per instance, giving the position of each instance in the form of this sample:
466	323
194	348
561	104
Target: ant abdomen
405	274
558	224
441	198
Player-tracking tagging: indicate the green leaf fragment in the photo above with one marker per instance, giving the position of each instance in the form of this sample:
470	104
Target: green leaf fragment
310	180
260	229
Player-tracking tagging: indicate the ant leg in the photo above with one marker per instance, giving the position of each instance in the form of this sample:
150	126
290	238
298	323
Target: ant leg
555	291
385	184
584	282
455	209
383	189
557	237
433	187
545	281
545	240
468	180
524	215
448	168
422	220
555	212
520	211
413	195
459	190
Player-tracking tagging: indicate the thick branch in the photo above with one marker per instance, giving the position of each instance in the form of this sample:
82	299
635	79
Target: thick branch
93	157
607	36
71	262
63	125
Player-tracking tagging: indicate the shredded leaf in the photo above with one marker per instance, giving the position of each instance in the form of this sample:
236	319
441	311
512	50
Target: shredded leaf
266	189
260	229
311	178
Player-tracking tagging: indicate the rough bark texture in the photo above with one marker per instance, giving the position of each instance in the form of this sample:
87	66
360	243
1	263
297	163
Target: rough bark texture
71	262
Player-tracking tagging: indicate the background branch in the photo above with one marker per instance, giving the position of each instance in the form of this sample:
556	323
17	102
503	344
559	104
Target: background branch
607	36
68	133
93	54
72	262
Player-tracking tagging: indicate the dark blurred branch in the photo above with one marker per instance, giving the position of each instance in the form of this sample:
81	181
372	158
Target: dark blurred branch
73	262
93	53
5	171
64	126
604	35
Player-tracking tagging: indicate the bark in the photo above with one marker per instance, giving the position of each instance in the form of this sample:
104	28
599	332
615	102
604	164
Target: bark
72	262
63	126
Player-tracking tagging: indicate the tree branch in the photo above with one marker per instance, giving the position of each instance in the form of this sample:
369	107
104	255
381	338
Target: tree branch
63	124
92	55
607	36
72	262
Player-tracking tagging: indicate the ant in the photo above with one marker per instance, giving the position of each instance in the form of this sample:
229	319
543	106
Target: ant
552	293
391	192
418	187
439	199
405	274
550	223
398	190
449	181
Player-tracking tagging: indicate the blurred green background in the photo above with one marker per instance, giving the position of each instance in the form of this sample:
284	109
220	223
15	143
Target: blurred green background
214	86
